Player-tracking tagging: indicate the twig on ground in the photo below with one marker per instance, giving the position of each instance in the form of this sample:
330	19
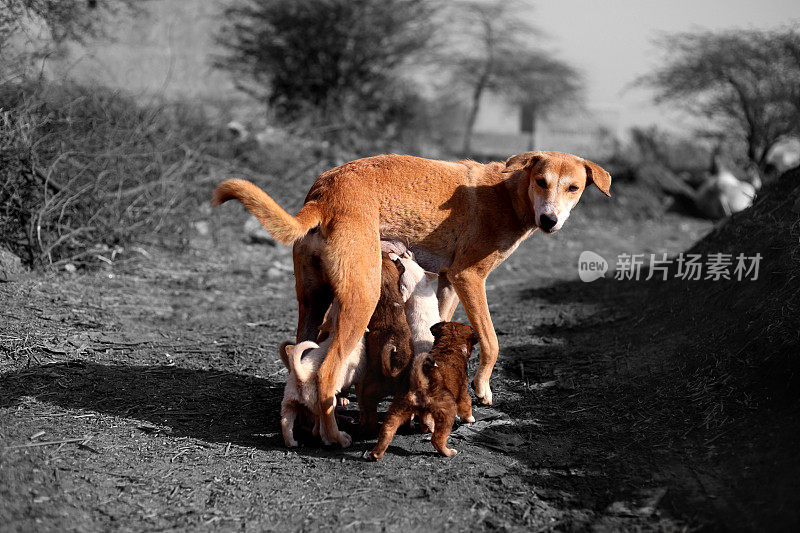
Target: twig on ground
82	440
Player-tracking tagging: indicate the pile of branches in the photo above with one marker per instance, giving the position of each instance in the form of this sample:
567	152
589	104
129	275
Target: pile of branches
86	168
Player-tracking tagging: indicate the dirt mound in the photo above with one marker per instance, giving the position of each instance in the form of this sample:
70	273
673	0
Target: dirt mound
750	326
731	347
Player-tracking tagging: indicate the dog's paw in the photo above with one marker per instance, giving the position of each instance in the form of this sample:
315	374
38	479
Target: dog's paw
451	452
483	392
371	456
292	444
470	419
343	401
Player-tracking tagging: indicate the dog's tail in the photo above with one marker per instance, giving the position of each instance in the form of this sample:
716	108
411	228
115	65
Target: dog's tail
295	360
283	226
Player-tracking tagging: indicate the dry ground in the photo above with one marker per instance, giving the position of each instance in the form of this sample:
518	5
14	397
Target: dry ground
145	396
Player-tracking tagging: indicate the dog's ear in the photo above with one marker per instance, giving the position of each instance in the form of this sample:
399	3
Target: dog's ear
284	351
428	364
598	176
523	161
436	329
401	268
474	337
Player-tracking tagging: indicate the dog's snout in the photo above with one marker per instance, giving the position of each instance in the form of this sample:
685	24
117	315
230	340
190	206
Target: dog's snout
547	221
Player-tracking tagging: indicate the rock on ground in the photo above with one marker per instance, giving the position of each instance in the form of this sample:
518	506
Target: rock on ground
11	268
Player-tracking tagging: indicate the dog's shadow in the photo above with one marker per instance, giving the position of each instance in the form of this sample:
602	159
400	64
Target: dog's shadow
212	405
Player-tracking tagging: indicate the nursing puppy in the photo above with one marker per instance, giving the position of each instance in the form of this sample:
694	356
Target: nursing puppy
437	387
379	358
389	349
422	307
422	311
300	393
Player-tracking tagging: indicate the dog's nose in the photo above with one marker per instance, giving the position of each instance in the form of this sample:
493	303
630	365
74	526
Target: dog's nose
547	221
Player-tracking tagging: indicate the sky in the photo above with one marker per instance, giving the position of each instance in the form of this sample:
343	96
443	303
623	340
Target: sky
611	42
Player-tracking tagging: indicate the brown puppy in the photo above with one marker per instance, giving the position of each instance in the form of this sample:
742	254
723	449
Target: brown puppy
460	219
437	387
389	346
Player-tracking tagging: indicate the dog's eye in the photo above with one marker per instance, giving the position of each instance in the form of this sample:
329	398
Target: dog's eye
572	188
541	183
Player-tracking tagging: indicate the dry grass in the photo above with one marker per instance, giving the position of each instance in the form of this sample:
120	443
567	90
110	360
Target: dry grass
82	170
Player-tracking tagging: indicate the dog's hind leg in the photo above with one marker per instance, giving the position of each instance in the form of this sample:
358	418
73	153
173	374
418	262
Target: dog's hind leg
400	411
354	263
314	294
464	404
443	420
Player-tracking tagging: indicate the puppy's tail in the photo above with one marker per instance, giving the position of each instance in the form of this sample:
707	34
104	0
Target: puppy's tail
387	353
303	372
283	226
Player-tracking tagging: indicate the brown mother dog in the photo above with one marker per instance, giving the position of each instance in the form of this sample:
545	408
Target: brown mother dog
461	219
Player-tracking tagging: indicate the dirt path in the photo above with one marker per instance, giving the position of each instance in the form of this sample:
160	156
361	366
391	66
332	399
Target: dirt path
158	385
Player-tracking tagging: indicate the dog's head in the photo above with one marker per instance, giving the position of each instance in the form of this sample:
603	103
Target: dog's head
455	332
555	184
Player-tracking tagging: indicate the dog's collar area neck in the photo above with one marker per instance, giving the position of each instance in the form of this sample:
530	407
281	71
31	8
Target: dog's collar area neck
517	191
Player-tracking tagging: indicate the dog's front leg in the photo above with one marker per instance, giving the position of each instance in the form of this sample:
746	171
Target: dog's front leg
471	289
448	299
288	416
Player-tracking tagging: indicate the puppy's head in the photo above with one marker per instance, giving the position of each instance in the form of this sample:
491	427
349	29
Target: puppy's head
415	279
456	331
555	184
428	364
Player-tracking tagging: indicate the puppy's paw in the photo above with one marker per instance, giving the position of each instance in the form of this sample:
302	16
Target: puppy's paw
292	444
372	456
451	452
343	400
344	439
470	419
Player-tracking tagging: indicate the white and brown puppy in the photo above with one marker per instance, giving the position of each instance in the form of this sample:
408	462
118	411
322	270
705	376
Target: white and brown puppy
300	393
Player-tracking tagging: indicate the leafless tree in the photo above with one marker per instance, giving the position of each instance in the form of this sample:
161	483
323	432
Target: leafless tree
62	21
746	83
492	51
73	20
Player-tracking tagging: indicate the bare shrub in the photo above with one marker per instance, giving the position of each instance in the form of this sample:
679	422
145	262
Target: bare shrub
85	167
